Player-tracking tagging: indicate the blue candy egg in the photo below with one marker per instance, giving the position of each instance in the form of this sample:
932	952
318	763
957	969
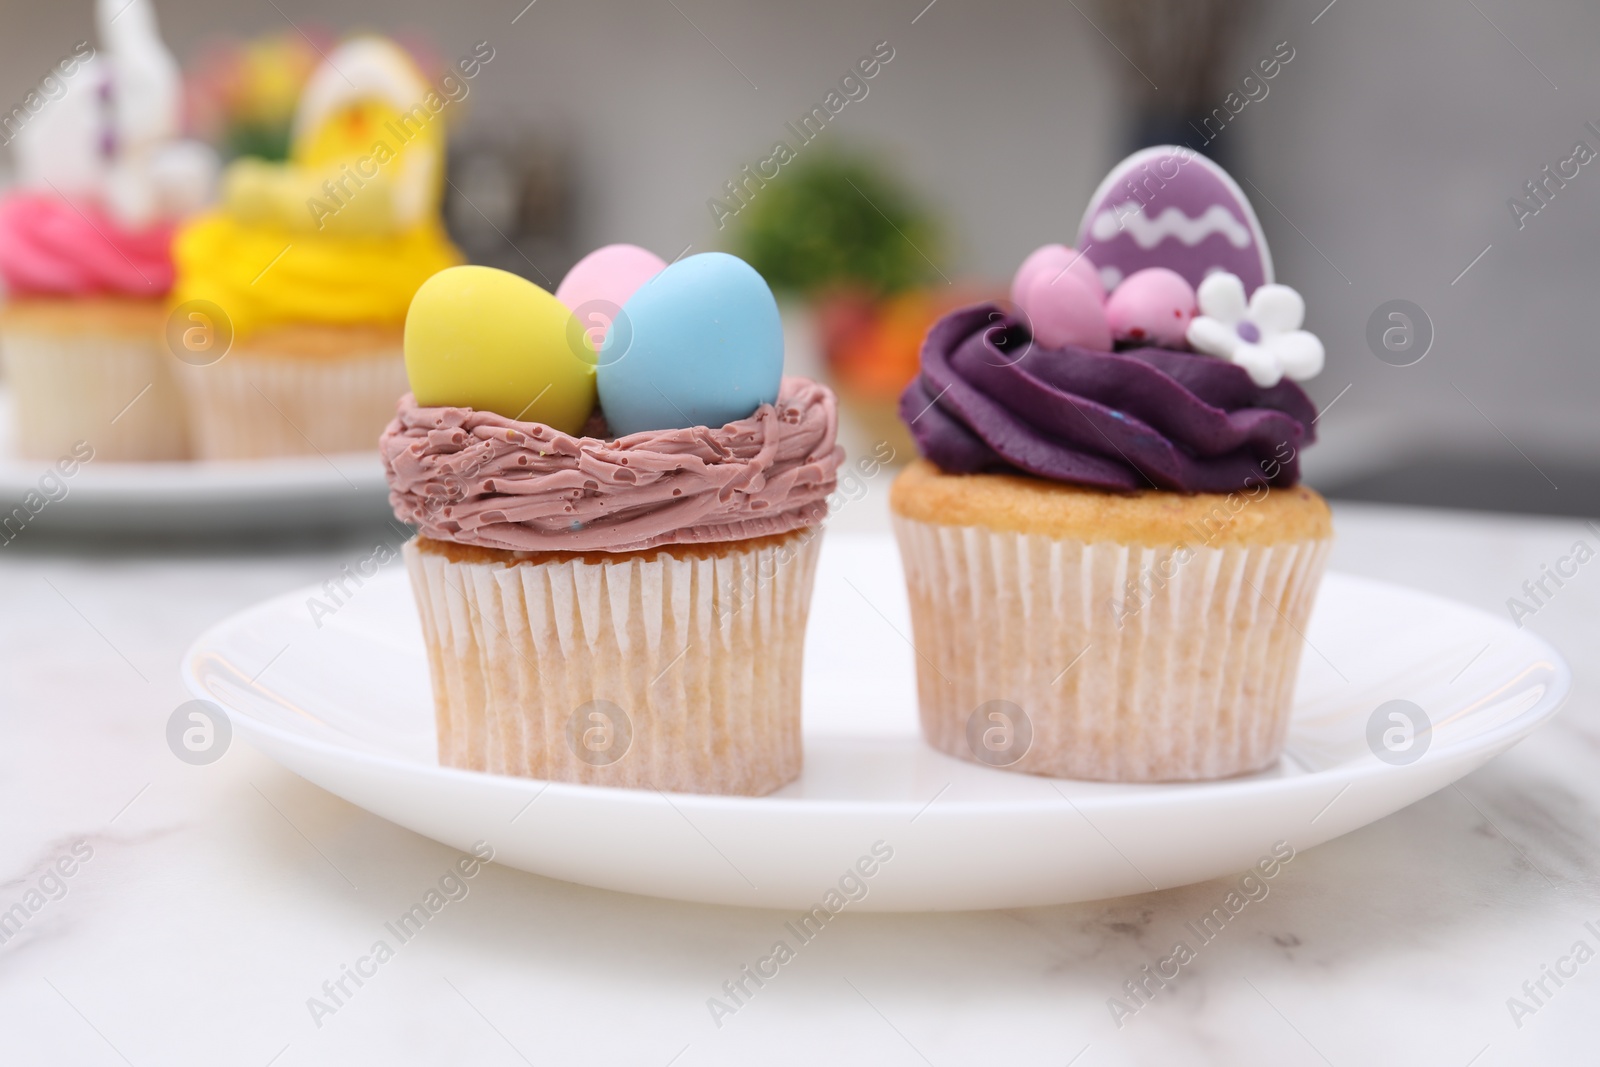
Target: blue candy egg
700	344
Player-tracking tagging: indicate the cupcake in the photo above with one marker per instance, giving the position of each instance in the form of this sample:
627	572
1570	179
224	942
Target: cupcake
618	499
309	265
1110	559
85	247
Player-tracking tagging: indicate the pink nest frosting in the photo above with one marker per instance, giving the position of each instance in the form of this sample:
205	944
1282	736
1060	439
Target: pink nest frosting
49	247
477	478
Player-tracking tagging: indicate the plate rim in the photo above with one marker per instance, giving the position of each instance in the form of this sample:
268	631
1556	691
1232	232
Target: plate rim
119	483
1121	795
108	478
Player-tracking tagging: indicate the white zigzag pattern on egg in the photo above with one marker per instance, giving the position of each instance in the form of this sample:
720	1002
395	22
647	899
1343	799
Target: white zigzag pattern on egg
1129	216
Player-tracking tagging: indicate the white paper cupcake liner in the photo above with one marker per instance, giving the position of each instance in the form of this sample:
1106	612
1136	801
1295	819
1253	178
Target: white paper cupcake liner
115	392
642	671
258	403
1106	661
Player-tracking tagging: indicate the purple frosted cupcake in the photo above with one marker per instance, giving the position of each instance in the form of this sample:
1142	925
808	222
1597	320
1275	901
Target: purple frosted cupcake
1110	558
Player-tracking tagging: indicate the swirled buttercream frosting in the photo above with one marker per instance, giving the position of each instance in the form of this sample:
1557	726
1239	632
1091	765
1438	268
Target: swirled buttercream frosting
990	398
265	277
477	478
49	247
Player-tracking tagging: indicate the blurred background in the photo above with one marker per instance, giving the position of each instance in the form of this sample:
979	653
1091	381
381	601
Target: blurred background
1382	159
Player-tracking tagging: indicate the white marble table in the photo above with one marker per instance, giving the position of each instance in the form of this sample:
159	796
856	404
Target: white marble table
207	904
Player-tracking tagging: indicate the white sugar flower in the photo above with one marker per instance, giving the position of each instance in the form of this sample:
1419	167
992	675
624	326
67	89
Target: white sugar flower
1264	337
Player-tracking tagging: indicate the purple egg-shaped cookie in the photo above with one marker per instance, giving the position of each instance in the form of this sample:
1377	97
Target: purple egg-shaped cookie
1172	207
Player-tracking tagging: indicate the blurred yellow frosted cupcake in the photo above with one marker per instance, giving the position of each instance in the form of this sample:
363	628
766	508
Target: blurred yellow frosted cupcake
298	286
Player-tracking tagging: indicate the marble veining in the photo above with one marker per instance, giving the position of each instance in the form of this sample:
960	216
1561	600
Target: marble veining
221	897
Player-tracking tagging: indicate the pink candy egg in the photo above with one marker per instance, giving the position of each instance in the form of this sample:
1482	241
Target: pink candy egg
1151	307
601	282
1062	310
1049	261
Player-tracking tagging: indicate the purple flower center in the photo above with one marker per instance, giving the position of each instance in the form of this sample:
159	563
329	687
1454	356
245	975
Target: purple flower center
1248	331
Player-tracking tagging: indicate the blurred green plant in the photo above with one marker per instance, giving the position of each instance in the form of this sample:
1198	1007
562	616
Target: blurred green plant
242	95
269	141
834	220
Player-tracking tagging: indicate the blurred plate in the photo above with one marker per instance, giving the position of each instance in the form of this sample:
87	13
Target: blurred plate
196	498
347	705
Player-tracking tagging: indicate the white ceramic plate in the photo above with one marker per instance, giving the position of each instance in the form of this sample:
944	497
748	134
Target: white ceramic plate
186	498
347	706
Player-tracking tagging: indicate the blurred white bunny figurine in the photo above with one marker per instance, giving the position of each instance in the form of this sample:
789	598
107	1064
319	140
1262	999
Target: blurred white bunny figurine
113	135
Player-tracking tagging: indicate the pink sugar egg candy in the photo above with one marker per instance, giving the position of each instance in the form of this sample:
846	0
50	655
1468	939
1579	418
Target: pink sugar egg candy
1050	261
1063	311
601	282
1151	307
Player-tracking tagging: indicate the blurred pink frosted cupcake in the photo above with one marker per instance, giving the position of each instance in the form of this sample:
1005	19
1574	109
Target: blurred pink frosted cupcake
85	249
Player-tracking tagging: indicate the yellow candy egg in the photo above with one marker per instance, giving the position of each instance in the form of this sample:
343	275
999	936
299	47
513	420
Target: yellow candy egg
482	338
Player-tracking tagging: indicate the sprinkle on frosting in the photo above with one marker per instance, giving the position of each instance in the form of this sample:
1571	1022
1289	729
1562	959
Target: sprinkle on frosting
477	478
990	398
